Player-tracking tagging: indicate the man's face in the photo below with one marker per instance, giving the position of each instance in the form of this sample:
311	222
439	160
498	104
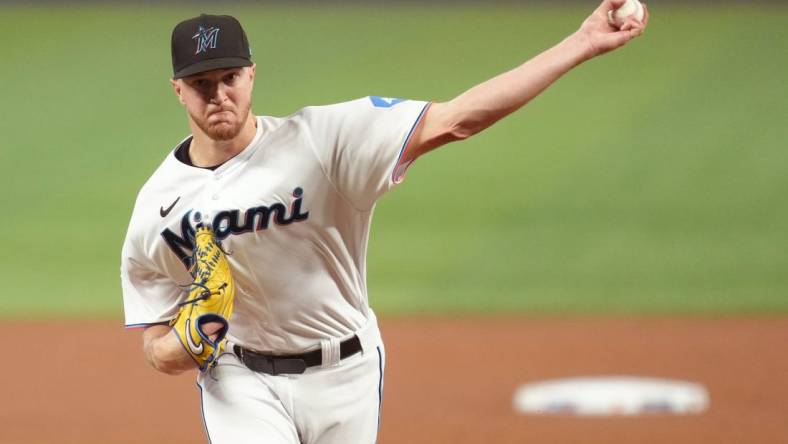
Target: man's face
218	101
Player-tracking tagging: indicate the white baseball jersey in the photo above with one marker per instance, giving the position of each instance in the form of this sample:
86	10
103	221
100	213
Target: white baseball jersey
293	210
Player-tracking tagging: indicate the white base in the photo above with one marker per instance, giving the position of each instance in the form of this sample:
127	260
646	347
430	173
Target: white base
611	395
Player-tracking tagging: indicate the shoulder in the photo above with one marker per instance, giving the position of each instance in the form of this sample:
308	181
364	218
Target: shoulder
310	121
355	107
353	113
316	112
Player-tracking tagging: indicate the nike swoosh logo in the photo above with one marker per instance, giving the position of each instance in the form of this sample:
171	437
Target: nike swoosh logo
164	212
197	350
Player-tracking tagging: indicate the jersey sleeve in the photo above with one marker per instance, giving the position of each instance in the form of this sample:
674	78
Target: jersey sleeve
361	144
149	297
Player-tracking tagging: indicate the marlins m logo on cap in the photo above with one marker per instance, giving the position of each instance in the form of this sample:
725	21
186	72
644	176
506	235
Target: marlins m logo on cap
203	32
206	38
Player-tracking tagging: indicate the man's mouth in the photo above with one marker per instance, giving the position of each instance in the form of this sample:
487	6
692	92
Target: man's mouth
221	115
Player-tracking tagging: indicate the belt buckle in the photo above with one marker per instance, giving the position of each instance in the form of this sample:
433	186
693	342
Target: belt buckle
276	366
293	366
264	363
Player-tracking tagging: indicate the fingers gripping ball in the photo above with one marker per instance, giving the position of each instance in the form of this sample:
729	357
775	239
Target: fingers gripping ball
630	8
210	301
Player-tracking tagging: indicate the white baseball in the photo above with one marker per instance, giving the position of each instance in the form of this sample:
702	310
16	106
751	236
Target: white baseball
632	8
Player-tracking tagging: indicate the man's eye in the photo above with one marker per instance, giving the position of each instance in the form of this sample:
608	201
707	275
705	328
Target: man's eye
231	78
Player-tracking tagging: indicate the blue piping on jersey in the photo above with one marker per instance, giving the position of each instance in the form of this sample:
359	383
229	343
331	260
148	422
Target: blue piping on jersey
405	144
202	413
146	324
380	388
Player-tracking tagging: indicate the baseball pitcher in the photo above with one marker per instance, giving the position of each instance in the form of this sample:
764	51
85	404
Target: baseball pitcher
245	253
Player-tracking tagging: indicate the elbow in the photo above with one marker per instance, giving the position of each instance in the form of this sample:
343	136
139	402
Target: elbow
463	130
446	123
159	356
164	367
464	124
462	119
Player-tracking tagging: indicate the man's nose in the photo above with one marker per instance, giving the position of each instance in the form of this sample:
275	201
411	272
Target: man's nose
219	94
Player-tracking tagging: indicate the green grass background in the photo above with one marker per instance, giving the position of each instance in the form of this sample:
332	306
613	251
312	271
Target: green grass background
653	180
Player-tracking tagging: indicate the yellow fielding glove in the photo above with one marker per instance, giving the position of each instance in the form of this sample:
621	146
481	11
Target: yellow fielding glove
210	300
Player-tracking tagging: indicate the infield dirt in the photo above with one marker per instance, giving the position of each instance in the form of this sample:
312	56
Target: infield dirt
447	381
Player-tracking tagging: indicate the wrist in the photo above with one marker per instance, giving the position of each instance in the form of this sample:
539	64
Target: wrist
579	44
166	354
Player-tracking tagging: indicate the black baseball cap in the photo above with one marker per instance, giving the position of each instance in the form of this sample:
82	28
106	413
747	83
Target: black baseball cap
208	42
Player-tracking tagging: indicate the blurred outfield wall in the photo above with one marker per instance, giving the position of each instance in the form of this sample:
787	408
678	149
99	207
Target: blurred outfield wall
377	3
650	181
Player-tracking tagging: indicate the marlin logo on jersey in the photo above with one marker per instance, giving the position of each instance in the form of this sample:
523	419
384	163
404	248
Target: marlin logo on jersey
229	222
206	38
384	102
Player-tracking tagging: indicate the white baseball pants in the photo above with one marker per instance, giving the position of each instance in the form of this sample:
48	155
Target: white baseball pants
332	404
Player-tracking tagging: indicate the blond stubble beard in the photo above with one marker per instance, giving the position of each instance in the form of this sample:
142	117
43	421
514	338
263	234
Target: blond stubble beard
223	131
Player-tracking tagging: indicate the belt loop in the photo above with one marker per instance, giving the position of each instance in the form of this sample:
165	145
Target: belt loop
330	349
236	350
369	334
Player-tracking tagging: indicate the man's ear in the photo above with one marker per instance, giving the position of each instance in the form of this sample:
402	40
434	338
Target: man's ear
177	88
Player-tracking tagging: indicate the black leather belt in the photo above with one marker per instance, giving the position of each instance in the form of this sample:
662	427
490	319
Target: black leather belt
292	364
